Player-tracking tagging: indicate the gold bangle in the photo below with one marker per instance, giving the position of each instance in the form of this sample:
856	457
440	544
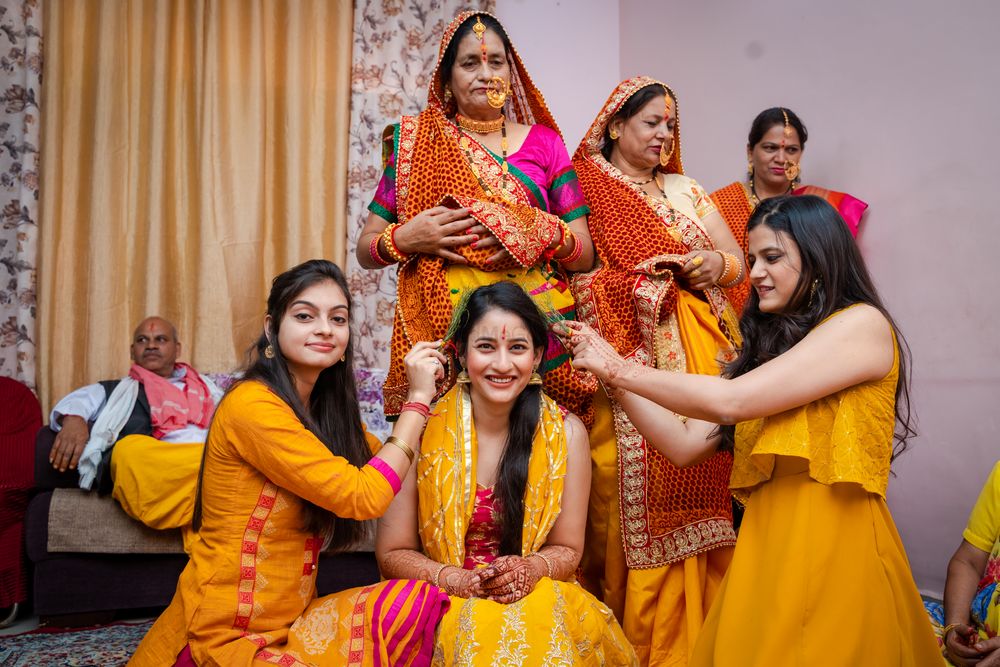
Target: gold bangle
545	559
389	242
731	264
948	628
393	440
437	575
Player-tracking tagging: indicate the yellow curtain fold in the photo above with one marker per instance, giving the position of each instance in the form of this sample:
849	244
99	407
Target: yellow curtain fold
191	150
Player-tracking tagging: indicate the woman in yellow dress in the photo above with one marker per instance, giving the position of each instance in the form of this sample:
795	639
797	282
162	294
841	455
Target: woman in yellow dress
477	188
659	538
286	472
495	510
819	575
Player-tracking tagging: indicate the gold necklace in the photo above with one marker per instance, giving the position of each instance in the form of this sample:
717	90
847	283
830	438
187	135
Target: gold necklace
465	144
479	126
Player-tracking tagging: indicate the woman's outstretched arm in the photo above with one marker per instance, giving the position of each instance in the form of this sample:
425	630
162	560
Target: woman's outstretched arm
854	346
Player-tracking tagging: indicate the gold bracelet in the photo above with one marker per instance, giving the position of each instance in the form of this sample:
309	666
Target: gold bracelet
730	264
948	628
548	563
437	575
389	241
393	440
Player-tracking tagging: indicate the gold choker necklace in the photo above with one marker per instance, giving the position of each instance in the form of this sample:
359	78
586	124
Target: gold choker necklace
479	126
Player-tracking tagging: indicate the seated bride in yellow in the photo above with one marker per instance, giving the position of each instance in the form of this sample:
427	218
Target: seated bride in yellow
495	511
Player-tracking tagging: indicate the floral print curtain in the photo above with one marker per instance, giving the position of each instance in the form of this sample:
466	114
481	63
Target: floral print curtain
395	50
20	83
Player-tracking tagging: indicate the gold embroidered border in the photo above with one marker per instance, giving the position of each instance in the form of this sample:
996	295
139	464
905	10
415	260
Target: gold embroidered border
249	555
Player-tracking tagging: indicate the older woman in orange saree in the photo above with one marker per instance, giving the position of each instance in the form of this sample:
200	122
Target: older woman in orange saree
478	188
659	538
774	167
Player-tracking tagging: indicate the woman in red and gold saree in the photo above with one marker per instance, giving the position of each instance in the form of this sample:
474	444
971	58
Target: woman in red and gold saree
659	538
286	472
496	508
774	157
477	188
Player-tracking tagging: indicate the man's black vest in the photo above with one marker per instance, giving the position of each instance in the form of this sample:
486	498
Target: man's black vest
140	422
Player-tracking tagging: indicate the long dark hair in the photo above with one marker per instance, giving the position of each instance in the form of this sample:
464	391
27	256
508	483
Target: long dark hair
631	107
832	263
451	52
513	468
768	118
333	414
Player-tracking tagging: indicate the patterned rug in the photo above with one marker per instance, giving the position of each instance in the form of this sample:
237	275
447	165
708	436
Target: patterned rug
105	646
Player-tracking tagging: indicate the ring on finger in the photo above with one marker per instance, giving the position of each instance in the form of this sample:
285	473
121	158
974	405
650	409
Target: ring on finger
695	273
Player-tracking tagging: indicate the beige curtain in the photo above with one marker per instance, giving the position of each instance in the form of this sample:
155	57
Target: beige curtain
192	149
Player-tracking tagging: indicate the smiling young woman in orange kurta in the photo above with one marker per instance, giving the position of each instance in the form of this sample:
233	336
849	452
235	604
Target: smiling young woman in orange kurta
288	471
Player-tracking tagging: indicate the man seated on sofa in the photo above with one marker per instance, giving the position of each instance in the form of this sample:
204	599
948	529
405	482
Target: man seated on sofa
148	430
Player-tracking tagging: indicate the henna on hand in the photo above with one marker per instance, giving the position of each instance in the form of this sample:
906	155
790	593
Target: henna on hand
408	564
564	561
460	582
508	579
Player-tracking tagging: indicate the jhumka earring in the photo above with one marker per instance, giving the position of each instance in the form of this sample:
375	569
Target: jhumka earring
269	352
535	377
463	377
749	170
447	94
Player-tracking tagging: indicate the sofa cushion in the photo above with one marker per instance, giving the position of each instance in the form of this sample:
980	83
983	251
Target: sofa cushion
82	522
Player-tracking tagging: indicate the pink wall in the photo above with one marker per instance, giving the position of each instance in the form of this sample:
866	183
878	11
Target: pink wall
570	48
901	101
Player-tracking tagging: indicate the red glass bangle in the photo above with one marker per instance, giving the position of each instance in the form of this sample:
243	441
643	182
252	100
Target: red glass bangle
574	254
376	255
422	408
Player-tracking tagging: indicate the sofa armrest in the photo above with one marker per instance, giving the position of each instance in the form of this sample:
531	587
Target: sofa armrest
47	477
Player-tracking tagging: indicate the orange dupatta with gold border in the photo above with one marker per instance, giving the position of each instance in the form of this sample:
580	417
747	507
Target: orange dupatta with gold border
667	513
437	163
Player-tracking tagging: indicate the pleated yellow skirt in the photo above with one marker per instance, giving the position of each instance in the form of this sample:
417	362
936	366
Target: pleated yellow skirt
819	577
558	623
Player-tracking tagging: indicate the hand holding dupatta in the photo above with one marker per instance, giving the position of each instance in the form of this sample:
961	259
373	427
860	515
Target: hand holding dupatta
437	231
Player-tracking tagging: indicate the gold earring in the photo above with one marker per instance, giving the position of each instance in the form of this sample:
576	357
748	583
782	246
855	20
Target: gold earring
614	135
749	169
535	378
447	94
269	352
343	356
463	378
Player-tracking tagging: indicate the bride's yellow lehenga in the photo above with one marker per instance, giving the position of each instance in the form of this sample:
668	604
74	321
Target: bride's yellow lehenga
558	623
659	537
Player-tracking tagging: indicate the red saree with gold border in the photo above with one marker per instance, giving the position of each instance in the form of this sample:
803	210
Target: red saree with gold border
438	163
